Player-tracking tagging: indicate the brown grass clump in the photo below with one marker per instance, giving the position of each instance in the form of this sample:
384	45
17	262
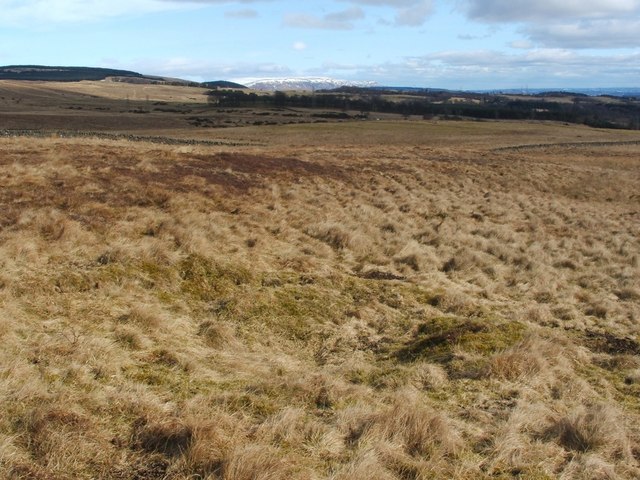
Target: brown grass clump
429	376
51	434
366	465
333	234
454	301
145	317
522	360
419	430
217	334
594	428
168	436
255	462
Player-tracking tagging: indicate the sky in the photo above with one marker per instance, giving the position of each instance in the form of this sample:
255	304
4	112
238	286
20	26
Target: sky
456	44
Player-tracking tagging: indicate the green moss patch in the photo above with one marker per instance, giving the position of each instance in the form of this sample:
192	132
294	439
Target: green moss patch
169	379
207	280
436	339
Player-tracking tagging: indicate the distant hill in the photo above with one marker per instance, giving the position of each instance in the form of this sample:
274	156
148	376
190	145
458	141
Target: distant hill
77	74
301	84
591	92
61	74
222	84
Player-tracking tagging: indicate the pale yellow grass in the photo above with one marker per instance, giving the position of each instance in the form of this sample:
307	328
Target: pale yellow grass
412	137
111	90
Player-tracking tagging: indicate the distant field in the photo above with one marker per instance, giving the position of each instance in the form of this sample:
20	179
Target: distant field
389	131
381	299
127	108
186	112
108	89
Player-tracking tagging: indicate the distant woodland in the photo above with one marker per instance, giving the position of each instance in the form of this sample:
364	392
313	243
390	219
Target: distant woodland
607	112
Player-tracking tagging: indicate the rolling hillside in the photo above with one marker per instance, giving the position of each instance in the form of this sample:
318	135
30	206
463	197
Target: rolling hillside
61	74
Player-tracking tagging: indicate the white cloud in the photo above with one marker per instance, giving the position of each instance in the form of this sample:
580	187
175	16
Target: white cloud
565	23
411	13
342	20
299	46
542	67
521	44
242	14
537	68
466	36
348	15
600	34
546	10
28	12
414	15
62	11
203	70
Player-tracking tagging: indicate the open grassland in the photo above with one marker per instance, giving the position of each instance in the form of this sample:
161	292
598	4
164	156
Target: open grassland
50	92
351	301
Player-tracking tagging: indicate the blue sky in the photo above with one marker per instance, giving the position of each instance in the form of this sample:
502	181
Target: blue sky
468	44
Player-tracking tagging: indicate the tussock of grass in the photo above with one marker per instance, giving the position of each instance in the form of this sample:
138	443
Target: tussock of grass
169	436
333	234
593	428
524	359
418	430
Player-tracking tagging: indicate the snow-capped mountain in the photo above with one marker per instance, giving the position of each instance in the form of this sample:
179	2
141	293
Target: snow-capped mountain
301	83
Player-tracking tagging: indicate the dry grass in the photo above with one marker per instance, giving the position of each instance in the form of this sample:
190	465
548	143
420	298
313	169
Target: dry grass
109	89
339	311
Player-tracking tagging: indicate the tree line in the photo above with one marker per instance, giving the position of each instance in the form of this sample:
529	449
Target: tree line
624	114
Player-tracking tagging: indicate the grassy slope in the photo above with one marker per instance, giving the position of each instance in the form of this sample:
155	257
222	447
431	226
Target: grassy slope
340	303
48	91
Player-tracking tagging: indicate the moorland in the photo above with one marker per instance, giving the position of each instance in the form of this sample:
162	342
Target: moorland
305	297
